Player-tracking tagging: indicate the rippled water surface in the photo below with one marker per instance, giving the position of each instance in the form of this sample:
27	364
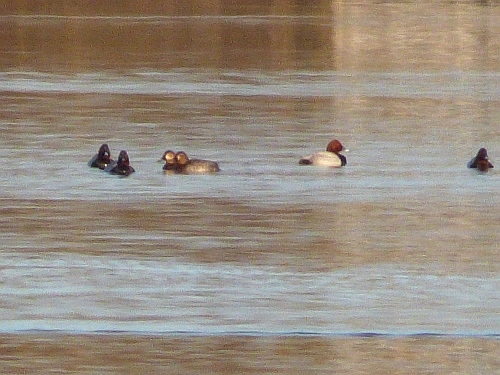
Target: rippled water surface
389	263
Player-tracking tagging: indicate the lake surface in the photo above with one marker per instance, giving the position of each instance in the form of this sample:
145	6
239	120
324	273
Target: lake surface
389	264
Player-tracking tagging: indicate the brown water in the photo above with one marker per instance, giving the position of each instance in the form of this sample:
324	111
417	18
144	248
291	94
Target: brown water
267	266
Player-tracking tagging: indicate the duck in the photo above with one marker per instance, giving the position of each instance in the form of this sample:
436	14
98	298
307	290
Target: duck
102	159
185	165
169	158
121	166
329	158
480	161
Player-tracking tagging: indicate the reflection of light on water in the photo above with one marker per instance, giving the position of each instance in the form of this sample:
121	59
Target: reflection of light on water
92	293
294	84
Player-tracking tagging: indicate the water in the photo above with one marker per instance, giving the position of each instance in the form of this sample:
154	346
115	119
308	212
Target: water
267	254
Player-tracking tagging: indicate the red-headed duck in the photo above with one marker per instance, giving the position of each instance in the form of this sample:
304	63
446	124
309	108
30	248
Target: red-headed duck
194	166
328	158
480	161
122	166
102	159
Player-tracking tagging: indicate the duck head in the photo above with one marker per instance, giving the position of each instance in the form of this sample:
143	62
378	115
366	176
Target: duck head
123	159
181	159
335	146
104	154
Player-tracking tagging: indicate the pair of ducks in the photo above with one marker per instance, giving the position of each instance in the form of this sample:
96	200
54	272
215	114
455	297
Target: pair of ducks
174	163
102	160
180	163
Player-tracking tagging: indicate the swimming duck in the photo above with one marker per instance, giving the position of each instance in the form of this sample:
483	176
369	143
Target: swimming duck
170	163
102	159
121	166
194	166
480	161
328	158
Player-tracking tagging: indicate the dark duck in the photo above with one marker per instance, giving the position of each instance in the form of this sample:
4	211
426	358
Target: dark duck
122	166
102	159
480	161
